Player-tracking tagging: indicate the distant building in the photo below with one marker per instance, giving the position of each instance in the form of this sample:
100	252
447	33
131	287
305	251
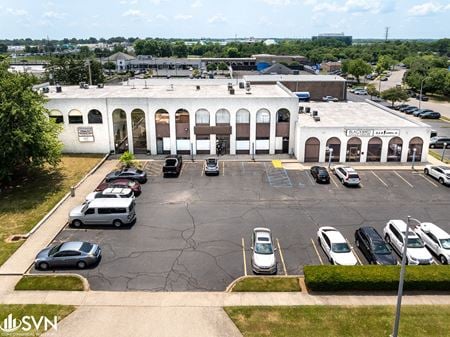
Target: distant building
334	36
331	66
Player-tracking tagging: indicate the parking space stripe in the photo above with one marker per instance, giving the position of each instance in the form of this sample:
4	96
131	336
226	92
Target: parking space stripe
382	181
334	182
203	169
282	258
309	177
431	182
354	253
317	252
243	255
223	168
406	181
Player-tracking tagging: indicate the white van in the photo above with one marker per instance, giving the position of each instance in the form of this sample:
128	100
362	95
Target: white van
104	211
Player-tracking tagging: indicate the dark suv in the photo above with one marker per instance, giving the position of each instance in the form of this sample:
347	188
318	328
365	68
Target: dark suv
131	173
372	245
320	174
438	142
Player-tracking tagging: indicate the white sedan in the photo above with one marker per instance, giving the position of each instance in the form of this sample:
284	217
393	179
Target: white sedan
336	247
436	239
440	173
329	99
263	257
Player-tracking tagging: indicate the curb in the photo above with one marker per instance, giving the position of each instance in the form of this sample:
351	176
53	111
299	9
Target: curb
84	281
301	281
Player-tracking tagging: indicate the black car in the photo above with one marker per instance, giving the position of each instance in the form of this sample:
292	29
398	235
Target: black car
402	109
372	245
411	110
320	174
130	173
401	106
439	141
424	98
431	115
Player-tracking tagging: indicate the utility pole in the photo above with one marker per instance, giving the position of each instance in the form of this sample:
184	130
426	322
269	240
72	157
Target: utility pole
90	73
386	34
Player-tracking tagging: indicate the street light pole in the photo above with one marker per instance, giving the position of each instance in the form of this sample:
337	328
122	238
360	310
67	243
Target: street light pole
413	158
330	156
443	152
421	89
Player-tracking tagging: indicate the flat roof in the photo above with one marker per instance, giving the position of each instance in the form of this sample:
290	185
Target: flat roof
294	78
169	90
353	115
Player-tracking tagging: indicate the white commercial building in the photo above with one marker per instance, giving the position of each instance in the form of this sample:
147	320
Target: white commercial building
358	132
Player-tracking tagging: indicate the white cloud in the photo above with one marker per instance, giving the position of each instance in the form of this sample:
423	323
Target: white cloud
196	4
16	12
427	8
182	17
162	17
135	13
54	15
157	2
128	2
353	6
277	2
217	19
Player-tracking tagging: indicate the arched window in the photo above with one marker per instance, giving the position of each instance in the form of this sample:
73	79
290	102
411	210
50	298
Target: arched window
222	117
353	150
202	117
263	116
283	116
417	144
242	116
57	116
312	148
95	117
374	149
182	116
335	144
395	149
75	117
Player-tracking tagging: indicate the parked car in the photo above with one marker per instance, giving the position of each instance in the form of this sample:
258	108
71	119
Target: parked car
172	165
424	98
212	166
410	110
121	183
395	234
111	192
431	115
436	239
336	247
131	173
419	112
353	89
263	257
372	245
329	99
383	79
406	107
401	106
75	254
320	174
116	212
439	141
347	175
361	92
440	173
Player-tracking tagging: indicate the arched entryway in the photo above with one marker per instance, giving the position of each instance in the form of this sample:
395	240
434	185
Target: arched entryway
162	127
223	131
242	131
417	144
262	131
139	131
120	130
203	142
182	131
353	150
335	144
374	149
395	149
282	131
312	150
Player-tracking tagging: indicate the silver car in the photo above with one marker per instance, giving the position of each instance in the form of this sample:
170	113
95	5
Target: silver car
71	254
212	166
263	257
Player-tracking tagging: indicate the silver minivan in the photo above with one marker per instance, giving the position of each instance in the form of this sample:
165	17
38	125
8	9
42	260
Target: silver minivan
115	211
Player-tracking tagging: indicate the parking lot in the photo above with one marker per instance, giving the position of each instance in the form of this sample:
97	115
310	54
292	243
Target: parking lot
193	232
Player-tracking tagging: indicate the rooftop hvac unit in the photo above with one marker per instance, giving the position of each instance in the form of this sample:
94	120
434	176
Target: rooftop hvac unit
231	91
197	87
82	85
247	88
45	90
230	85
241	85
100	85
317	118
307	109
86	86
301	109
315	113
58	88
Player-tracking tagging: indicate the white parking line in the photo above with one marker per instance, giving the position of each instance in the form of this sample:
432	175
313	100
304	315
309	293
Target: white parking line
223	168
309	176
406	181
431	182
354	253
317	252
282	258
382	181
334	182
203	169
243	255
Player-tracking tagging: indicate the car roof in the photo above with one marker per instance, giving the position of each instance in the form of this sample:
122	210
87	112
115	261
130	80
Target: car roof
71	245
401	225
108	202
117	190
130	169
372	233
333	234
432	228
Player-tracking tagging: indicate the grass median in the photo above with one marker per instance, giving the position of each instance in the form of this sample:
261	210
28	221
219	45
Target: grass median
438	156
340	321
267	284
50	282
26	202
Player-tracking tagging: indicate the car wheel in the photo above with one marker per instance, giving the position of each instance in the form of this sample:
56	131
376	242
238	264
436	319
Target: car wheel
443	259
43	266
425	171
387	238
77	223
117	223
81	264
441	181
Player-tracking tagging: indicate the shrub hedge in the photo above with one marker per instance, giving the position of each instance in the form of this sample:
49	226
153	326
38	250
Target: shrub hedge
369	278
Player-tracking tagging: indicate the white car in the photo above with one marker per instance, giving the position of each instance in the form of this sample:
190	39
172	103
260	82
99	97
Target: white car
416	253
436	239
110	192
336	247
440	173
347	175
329	99
263	257
360	92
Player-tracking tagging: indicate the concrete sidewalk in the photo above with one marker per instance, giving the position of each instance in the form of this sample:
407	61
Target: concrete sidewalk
21	260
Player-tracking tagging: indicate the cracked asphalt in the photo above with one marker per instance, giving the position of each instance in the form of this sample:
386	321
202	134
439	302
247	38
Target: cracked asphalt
189	230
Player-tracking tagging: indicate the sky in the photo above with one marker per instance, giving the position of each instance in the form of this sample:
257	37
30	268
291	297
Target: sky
57	19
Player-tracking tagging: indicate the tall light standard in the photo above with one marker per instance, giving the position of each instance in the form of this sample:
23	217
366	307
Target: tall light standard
402	279
413	158
330	156
421	89
443	152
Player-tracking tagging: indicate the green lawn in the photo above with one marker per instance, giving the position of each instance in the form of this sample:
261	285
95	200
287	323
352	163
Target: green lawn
340	321
50	282
36	310
438	156
265	284
25	203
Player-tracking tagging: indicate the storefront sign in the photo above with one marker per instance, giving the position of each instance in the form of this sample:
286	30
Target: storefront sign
85	134
372	132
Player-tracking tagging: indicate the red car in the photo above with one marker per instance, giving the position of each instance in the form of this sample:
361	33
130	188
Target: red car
124	183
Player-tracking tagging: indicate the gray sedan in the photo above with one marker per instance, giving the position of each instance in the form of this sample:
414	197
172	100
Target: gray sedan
69	254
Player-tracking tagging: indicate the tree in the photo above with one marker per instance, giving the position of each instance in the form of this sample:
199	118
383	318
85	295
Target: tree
372	90
232	52
222	66
395	94
109	66
127	159
211	67
3	48
72	70
180	49
359	68
29	137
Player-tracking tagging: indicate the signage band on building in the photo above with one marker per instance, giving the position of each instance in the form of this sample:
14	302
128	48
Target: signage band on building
372	132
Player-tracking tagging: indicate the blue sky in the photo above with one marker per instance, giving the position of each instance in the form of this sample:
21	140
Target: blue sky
226	18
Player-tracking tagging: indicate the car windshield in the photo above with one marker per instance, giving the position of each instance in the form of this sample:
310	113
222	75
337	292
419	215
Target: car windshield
86	247
340	247
263	248
211	162
445	243
415	243
54	250
380	248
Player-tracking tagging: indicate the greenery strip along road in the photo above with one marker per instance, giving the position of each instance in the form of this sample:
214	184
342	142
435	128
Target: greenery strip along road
50	282
267	284
325	321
